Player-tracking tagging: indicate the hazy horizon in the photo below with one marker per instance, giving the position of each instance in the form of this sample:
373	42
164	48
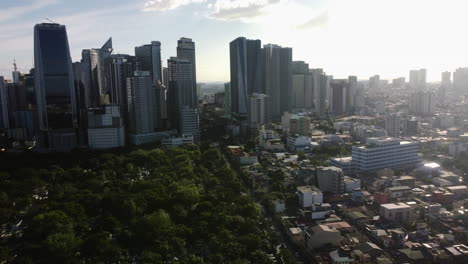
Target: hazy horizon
362	37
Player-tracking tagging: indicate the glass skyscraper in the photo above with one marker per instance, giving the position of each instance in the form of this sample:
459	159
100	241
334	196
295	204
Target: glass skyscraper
186	50
55	93
149	58
245	75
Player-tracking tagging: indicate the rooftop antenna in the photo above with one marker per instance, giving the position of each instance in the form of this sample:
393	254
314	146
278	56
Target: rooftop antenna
50	21
14	65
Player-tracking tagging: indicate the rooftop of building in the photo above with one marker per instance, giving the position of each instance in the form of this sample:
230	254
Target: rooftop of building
458	187
343	159
308	189
398	188
392	206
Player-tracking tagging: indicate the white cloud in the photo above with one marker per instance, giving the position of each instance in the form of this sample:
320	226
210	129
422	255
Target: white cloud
164	5
243	10
17	11
316	21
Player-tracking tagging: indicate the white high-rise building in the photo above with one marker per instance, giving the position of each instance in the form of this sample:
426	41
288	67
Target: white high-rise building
422	103
105	128
393	124
382	153
259	109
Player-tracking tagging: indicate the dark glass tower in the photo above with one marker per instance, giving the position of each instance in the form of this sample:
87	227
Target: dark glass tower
149	58
244	59
186	51
55	93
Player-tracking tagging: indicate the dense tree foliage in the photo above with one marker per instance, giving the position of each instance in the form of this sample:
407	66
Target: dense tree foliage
182	205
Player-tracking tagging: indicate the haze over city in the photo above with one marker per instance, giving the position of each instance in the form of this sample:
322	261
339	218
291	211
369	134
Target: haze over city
362	37
233	131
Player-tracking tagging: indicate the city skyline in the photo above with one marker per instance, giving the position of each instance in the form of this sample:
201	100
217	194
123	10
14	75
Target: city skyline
362	38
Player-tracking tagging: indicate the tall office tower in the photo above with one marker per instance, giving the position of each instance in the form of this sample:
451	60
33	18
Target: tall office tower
321	87
149	57
105	127
79	77
227	100
352	91
186	50
277	67
96	88
374	82
393	124
417	79
55	93
338	96
141	106
189	122
460	81
180	93
15	74
259	108
422	103
165	77
161	105
244	60
118	68
4	115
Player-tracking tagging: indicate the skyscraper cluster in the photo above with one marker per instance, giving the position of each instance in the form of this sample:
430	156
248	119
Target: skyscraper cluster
105	100
286	85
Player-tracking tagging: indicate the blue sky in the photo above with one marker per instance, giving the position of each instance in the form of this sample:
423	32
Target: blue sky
344	37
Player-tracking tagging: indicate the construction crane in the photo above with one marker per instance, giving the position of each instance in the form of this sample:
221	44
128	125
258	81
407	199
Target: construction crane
50	21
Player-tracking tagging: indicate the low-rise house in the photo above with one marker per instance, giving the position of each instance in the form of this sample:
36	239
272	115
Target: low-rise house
398	212
398	191
370	248
309	195
323	235
459	190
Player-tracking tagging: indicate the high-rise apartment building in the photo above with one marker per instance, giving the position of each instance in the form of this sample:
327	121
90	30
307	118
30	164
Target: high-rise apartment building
277	67
460	81
54	86
352	92
417	79
422	103
302	96
374	82
321	86
245	73
393	124
259	109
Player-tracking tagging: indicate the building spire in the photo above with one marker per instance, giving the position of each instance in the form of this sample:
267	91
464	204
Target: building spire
14	65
